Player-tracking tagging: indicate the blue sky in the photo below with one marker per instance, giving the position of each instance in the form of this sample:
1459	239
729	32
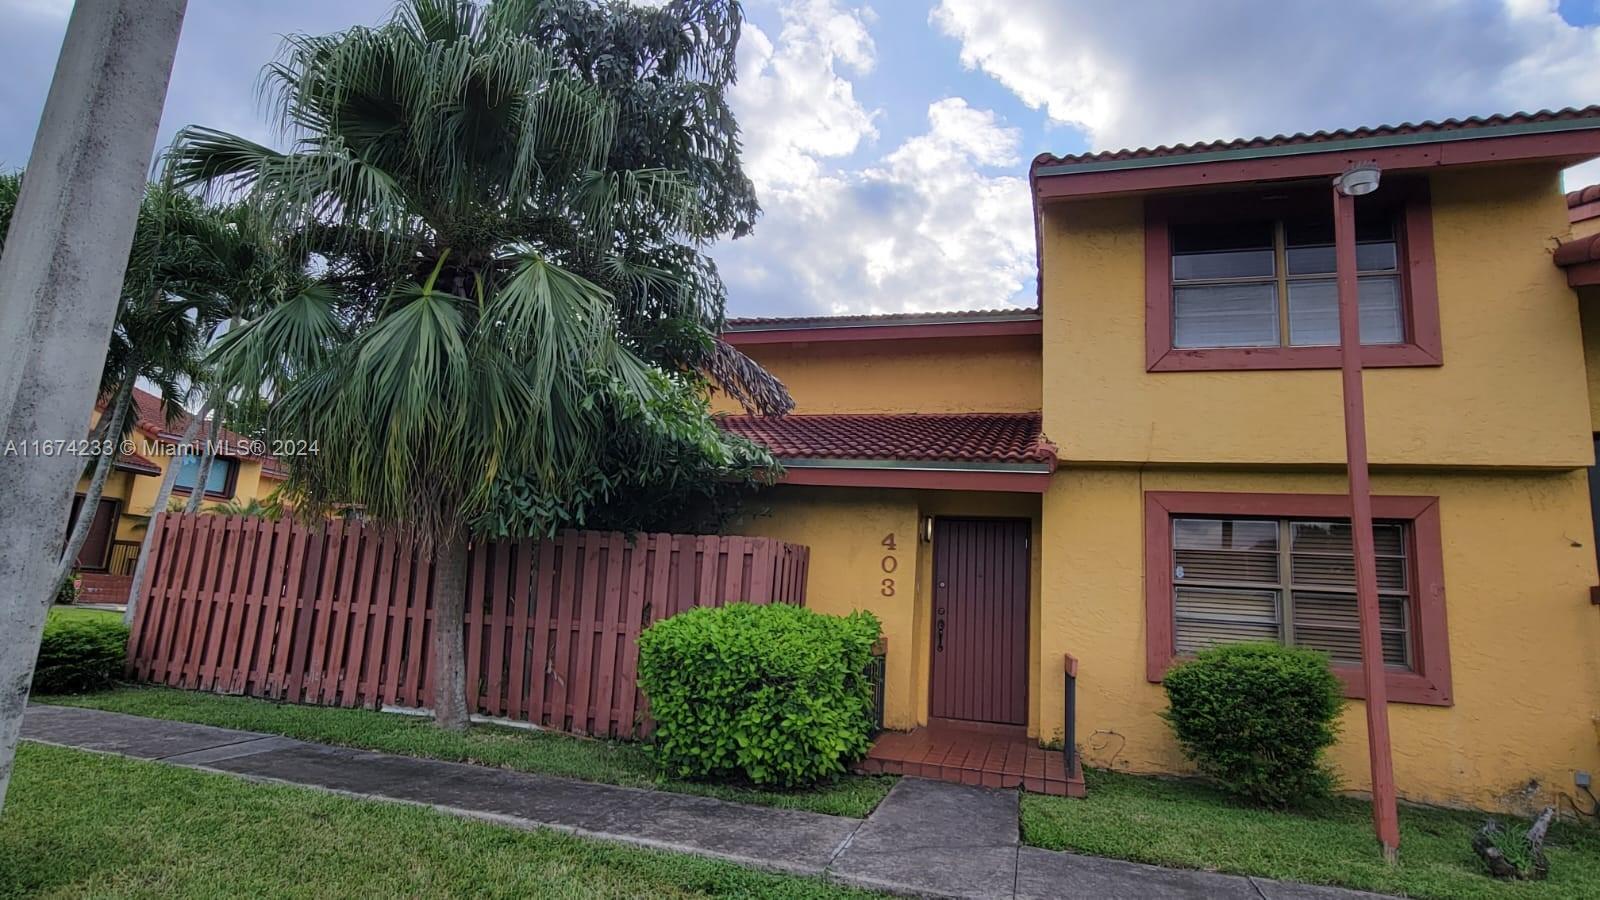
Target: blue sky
889	140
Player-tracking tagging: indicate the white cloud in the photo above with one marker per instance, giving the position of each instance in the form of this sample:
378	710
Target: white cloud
1582	176
923	225
794	106
1221	70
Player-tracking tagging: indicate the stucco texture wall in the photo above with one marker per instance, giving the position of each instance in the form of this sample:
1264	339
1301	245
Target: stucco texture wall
1524	644
944	375
846	530
1512	391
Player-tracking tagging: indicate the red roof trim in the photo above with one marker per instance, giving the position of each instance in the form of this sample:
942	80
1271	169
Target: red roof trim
1446	130
922	479
1570	146
1581	259
892	326
133	462
884	332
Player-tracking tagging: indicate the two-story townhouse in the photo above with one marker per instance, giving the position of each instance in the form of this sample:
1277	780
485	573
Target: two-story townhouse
1152	462
240	473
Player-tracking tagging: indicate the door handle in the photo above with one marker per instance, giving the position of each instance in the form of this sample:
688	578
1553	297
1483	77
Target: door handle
941	634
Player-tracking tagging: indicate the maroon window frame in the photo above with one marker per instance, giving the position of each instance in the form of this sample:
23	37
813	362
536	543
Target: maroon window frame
229	487
1408	202
1429	681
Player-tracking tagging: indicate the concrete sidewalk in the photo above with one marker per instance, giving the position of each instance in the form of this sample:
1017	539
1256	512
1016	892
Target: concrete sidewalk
926	838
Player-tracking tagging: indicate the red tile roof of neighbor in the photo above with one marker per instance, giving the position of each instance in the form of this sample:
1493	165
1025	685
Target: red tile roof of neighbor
134	462
1579	197
911	437
150	418
1343	134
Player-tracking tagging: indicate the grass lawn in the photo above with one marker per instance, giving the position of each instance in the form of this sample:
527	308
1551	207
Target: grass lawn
65	613
611	762
1190	825
82	824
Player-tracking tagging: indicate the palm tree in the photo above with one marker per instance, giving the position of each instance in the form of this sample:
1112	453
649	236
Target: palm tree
252	268
167	301
447	151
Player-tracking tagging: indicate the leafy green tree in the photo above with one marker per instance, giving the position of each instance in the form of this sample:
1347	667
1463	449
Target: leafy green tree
445	168
172	294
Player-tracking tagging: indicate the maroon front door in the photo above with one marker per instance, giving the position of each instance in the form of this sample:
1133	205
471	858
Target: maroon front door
980	620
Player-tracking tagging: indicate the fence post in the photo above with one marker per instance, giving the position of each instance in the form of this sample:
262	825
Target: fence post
1070	731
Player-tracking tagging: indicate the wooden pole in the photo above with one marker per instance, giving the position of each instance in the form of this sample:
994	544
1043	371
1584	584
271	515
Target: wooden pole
1384	815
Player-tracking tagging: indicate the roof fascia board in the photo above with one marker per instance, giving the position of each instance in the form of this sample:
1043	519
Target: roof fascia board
872	331
920	479
1310	160
1335	146
904	465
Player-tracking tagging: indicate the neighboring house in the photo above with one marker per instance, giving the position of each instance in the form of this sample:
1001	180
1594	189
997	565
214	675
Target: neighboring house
125	506
1153	461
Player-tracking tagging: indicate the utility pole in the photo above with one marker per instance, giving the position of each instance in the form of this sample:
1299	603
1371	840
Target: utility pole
60	276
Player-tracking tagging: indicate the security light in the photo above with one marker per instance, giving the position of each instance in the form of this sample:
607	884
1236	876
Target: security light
1359	179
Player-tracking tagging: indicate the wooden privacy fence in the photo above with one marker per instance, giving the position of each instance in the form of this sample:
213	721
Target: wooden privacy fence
343	615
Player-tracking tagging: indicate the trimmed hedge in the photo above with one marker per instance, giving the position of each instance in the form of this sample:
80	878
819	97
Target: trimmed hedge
775	695
1257	717
78	655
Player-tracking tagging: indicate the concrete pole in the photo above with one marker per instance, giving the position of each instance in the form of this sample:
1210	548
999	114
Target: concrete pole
1385	819
60	277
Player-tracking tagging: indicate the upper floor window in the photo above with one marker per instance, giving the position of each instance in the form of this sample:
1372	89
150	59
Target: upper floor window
1271	284
219	481
1247	281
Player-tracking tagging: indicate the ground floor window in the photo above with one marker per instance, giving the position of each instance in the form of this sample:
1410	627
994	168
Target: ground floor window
1286	580
1223	568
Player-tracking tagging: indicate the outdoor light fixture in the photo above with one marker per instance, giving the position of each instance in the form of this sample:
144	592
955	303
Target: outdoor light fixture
1358	180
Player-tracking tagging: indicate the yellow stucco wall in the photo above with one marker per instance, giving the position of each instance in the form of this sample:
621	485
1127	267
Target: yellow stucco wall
994	374
1512	391
1524	646
846	528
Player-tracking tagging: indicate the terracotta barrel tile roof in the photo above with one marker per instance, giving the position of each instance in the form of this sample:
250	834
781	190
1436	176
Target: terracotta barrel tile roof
912	437
1579	251
134	462
149	418
1579	197
1344	134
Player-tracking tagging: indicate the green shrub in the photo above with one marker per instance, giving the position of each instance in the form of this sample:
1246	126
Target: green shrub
79	654
776	695
1257	717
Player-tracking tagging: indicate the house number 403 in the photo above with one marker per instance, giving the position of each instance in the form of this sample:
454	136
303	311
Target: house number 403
889	563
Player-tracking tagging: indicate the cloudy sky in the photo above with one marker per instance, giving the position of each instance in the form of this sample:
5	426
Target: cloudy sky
890	139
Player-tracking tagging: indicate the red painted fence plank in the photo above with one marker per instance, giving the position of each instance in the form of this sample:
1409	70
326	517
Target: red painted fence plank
343	614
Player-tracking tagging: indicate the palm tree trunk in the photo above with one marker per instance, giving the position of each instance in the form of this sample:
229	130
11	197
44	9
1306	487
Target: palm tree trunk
449	651
117	412
159	506
208	452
